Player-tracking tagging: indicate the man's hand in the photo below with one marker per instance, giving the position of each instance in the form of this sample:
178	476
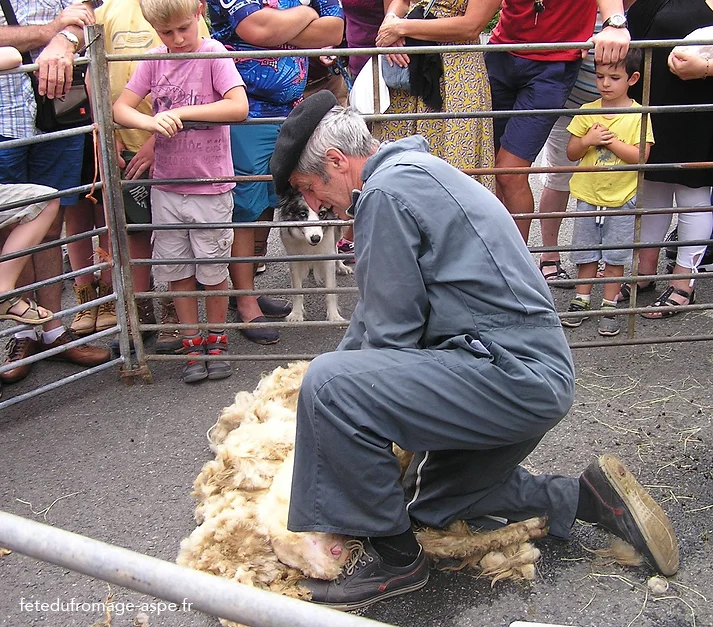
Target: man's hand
79	15
168	123
610	45
142	161
55	72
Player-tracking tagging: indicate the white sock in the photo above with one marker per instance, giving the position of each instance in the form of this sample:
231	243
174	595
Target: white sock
585	297
50	336
27	333
608	303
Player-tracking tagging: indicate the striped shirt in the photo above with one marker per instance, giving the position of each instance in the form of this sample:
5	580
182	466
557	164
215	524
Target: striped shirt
17	100
585	88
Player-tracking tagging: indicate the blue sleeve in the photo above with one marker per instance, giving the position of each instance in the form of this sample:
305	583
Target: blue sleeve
394	304
325	8
238	10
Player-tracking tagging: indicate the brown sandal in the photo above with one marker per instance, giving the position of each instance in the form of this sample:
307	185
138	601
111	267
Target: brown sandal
556	274
31	314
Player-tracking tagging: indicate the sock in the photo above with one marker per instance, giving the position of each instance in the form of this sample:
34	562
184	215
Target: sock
50	336
27	333
608	303
585	297
586	508
400	550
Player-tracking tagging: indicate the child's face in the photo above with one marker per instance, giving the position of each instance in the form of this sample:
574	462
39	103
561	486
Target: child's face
613	82
180	34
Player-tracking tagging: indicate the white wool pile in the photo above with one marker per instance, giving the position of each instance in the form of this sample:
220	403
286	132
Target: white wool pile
243	500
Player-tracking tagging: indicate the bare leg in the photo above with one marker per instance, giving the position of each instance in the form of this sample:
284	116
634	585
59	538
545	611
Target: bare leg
241	274
216	306
552	201
586	271
611	290
24	236
186	306
79	219
514	189
47	264
140	248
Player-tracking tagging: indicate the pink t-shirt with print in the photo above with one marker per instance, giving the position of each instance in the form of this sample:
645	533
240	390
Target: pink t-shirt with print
201	152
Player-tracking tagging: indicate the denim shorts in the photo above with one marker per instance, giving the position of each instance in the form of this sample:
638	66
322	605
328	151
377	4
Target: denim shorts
523	84
251	148
56	163
604	229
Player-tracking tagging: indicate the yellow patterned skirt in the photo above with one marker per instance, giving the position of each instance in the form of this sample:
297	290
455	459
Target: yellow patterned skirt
464	143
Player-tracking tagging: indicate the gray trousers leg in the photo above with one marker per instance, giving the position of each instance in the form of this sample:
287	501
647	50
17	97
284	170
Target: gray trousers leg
354	404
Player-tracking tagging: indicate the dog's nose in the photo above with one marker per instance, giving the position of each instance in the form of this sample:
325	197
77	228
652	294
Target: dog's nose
315	239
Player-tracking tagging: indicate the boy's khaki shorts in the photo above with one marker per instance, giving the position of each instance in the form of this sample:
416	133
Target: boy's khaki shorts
22	191
190	244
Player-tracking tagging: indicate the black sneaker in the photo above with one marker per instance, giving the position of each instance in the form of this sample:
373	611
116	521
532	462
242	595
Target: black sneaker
629	512
366	579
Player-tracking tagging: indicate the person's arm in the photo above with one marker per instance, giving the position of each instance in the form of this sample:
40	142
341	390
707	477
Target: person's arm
626	152
232	108
611	44
327	31
125	113
269	28
466	27
57	58
597	135
688	64
26	38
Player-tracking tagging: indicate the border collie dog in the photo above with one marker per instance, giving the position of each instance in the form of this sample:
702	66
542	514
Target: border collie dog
310	240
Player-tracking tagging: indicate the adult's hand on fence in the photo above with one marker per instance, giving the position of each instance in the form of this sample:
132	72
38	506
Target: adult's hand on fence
55	71
688	64
610	45
142	161
79	15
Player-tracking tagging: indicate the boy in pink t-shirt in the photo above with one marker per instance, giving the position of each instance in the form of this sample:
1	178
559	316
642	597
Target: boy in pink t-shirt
207	90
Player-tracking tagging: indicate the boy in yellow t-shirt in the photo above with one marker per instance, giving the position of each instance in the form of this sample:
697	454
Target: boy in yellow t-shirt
605	139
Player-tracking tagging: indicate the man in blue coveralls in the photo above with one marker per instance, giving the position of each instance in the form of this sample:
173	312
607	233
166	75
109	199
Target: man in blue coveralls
455	351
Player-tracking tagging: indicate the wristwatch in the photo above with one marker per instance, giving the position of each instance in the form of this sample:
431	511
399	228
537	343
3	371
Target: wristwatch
615	21
71	37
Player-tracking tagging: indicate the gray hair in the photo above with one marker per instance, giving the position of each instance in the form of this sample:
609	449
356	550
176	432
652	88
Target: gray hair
341	128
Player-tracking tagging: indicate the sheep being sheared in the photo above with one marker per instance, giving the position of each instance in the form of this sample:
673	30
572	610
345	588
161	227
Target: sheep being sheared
244	500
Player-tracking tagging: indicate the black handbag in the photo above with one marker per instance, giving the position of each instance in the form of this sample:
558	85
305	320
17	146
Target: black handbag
56	114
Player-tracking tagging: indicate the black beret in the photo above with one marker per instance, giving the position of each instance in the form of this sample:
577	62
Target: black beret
294	135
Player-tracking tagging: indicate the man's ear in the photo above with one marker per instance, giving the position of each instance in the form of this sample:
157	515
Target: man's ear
335	158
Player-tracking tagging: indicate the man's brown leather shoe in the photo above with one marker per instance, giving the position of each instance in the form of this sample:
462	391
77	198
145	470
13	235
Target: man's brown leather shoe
85	355
19	348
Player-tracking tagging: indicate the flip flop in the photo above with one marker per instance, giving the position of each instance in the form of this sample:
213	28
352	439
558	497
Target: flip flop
31	314
664	300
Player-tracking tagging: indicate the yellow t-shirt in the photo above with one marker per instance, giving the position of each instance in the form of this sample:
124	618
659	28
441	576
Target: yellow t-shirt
606	189
127	32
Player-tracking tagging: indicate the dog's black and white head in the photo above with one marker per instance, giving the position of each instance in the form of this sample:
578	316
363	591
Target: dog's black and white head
293	208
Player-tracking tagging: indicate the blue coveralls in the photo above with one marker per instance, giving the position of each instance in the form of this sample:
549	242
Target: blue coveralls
454	351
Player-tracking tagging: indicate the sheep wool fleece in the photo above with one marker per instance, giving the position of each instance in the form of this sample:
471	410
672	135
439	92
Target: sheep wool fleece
454	351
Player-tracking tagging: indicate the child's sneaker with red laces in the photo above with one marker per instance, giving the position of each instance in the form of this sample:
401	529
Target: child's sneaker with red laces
195	369
217	344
